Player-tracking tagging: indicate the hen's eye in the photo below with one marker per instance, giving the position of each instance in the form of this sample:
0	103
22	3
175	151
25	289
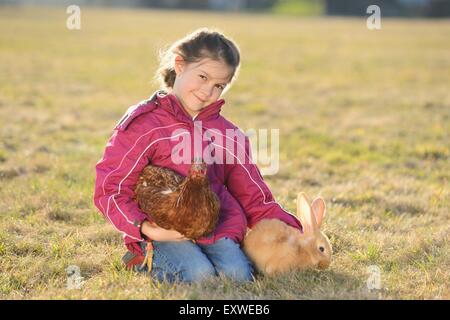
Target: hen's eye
322	249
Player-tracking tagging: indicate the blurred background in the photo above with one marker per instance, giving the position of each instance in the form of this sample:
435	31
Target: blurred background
363	117
407	8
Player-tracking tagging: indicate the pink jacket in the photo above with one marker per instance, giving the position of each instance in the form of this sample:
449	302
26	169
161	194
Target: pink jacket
150	132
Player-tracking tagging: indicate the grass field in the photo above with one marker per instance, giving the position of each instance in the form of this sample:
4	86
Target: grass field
364	119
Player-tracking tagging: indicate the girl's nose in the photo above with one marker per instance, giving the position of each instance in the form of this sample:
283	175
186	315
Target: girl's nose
206	92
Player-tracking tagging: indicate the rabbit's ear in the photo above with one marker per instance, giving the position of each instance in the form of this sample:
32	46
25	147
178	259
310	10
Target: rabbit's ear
305	214
319	209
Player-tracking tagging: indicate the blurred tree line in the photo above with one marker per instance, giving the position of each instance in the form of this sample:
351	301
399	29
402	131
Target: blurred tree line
424	8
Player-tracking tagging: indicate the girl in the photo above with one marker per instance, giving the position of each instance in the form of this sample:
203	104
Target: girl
194	73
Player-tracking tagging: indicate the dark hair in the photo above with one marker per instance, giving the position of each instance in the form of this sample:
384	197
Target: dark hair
200	44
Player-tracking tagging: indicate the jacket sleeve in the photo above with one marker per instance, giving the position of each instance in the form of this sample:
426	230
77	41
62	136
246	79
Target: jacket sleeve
245	182
116	176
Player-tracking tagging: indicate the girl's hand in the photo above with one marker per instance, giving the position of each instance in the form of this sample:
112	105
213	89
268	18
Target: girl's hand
155	232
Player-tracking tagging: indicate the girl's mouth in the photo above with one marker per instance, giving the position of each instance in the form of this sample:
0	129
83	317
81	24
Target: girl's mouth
202	101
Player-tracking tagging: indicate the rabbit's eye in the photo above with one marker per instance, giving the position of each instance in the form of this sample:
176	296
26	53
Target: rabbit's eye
322	249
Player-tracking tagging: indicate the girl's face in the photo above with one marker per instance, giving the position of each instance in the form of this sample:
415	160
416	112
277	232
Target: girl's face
198	84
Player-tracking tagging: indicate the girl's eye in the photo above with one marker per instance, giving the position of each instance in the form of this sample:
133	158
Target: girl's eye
202	76
220	87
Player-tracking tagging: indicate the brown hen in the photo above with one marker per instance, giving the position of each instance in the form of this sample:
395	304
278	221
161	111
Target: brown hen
185	204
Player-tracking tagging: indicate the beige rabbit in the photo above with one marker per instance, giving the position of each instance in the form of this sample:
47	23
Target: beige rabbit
274	247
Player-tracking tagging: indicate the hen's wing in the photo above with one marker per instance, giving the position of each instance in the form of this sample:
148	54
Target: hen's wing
160	178
155	191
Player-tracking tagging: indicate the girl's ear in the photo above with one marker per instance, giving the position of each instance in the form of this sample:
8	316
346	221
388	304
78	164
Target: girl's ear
319	209
305	214
179	64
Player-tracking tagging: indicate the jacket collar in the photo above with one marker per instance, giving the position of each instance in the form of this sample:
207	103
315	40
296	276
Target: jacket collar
170	103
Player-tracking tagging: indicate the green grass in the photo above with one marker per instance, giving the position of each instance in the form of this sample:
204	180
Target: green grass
364	119
299	7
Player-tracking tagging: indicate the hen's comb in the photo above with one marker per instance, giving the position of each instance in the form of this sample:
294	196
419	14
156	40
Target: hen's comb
198	160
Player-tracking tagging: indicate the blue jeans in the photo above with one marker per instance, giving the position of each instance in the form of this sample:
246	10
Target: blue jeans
186	261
